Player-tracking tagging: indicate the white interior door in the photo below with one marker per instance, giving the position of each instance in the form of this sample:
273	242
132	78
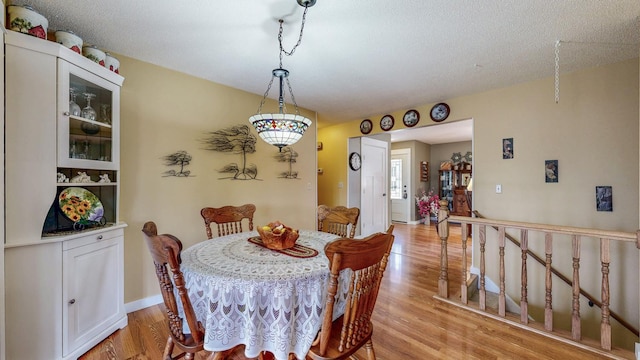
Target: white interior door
374	199
400	183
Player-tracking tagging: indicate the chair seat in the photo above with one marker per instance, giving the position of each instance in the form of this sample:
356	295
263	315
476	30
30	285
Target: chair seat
334	343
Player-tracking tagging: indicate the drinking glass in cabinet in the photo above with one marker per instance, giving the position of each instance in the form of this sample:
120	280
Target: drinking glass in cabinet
105	113
74	108
87	111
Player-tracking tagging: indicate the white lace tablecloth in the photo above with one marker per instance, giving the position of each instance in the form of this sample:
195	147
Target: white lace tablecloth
247	294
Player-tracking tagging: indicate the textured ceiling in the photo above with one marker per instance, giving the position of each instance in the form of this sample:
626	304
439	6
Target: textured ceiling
360	58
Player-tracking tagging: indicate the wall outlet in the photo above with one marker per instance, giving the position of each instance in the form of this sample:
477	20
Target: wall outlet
340	185
498	189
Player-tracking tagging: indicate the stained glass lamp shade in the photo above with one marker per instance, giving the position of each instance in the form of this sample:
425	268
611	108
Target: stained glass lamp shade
280	129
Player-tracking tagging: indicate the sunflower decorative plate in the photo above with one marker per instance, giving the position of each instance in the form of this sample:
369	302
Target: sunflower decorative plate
79	204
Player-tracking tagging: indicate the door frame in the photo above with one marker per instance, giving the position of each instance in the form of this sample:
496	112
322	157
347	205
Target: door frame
407	180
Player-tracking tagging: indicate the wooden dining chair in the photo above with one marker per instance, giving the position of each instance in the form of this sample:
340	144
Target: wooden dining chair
227	218
367	258
165	251
338	220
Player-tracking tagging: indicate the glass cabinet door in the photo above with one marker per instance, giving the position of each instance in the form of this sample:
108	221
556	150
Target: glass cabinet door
446	186
88	121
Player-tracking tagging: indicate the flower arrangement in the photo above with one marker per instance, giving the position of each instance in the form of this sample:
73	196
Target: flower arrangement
428	203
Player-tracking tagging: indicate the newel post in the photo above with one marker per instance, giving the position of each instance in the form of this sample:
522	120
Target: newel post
443	232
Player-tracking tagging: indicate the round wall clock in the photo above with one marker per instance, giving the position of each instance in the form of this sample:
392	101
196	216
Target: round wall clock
355	161
365	126
386	123
439	112
411	118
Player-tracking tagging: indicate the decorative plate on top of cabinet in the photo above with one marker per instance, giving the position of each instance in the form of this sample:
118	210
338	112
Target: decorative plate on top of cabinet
366	126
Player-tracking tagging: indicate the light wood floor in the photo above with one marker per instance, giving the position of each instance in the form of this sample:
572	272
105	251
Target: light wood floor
408	322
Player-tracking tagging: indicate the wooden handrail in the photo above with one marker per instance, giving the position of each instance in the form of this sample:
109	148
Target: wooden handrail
562	277
558	229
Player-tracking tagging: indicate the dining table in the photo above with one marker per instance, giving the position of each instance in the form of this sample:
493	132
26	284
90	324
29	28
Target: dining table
267	300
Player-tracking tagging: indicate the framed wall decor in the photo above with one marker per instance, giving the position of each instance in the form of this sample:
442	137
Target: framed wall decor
366	126
604	198
439	112
424	171
387	122
411	118
551	171
507	148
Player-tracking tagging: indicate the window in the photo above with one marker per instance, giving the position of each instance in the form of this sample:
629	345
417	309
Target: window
396	179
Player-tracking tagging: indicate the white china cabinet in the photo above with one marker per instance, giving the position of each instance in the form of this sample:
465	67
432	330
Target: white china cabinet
64	265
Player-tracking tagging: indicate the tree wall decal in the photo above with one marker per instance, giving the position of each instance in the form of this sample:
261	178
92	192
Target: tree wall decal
236	140
288	155
179	158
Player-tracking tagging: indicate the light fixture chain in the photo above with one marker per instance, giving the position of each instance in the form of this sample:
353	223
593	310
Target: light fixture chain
293	98
284	98
557	72
266	93
282	50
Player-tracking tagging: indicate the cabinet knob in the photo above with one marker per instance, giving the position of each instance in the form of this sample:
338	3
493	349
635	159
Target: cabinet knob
99	237
66	113
72	301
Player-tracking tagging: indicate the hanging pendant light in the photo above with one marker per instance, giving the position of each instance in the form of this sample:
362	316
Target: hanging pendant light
282	129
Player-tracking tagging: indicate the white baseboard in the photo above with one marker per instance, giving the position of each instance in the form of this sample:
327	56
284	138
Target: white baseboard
143	303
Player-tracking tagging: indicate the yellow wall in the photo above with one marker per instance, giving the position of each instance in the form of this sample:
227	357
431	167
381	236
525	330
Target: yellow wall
592	132
333	160
165	111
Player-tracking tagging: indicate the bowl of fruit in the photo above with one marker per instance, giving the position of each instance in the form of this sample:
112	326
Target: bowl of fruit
277	236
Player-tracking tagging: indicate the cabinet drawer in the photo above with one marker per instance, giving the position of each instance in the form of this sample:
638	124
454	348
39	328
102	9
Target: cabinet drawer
94	237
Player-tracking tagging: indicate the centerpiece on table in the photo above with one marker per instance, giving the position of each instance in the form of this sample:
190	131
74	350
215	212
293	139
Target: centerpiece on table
277	236
428	203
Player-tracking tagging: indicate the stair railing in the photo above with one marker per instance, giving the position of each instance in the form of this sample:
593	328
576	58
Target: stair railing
605	237
592	299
